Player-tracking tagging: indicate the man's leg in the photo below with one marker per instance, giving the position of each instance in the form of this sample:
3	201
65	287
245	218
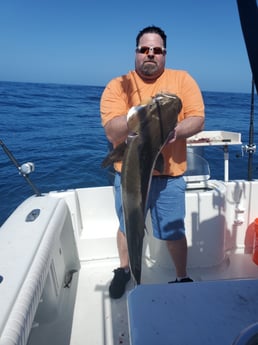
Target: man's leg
122	274
122	249
167	205
178	252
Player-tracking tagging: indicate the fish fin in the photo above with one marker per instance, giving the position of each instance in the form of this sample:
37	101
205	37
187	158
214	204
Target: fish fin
115	155
159	164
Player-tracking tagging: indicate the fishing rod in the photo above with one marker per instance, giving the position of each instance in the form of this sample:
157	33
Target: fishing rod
24	169
248	14
251	147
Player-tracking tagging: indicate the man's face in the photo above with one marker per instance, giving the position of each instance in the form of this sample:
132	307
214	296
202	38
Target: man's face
150	58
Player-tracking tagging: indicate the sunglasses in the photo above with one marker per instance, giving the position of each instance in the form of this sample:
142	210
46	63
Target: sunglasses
155	50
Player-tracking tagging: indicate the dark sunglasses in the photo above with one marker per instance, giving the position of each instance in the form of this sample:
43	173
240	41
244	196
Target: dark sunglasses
155	50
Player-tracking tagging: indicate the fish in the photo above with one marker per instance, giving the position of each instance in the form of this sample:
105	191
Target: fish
150	127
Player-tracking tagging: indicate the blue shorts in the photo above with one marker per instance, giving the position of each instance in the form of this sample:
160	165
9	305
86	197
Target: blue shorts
166	203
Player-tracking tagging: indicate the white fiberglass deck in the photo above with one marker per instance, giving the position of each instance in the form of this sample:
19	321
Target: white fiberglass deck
100	320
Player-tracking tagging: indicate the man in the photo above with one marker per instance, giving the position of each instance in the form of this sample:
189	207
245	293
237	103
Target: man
167	192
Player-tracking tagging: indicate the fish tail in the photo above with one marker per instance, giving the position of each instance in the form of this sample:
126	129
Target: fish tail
115	155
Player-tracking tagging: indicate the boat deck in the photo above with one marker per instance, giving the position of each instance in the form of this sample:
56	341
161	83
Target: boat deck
100	320
86	314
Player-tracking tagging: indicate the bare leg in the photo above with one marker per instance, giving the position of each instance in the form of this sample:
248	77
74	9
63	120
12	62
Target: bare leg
122	274
122	249
178	253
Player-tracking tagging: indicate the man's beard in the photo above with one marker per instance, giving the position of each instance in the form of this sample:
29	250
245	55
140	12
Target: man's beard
149	68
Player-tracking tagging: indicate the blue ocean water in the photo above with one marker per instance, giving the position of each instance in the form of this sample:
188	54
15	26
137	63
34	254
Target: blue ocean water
58	128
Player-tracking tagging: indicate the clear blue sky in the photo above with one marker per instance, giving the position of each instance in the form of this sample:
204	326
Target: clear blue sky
89	42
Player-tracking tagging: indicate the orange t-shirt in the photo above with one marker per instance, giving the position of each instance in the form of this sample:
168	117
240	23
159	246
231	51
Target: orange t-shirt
130	90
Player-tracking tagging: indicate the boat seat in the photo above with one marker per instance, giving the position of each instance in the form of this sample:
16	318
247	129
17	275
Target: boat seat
198	169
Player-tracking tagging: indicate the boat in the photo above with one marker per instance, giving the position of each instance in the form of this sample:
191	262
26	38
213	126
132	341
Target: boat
58	251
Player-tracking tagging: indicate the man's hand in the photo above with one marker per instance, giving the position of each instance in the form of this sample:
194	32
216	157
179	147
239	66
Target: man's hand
172	137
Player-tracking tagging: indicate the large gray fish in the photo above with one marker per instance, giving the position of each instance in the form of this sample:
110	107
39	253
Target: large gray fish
152	125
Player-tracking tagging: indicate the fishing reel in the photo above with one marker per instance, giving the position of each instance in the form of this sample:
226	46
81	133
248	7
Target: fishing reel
250	148
27	168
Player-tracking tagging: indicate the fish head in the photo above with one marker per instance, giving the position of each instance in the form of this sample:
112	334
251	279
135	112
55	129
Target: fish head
159	115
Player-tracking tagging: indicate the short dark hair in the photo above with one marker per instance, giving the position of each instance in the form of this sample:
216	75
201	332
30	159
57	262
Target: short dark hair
152	29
